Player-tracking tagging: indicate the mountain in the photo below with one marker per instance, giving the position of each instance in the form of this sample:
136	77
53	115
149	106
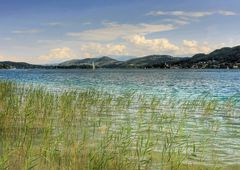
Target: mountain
107	62
18	65
221	58
99	62
4	66
151	61
123	58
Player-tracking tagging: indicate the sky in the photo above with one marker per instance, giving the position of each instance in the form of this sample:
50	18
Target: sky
52	31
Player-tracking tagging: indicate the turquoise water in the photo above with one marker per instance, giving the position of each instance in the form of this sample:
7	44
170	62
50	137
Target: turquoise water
177	83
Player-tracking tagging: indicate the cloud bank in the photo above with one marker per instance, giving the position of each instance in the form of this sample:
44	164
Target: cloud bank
194	14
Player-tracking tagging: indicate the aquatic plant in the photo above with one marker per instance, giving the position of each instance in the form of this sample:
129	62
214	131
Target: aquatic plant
93	129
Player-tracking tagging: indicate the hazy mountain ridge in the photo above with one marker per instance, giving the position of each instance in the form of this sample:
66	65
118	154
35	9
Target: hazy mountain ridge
221	58
19	65
152	60
99	62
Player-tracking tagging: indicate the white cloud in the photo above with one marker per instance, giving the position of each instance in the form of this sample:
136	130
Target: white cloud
54	24
28	31
227	13
137	45
190	44
56	55
113	31
195	14
177	21
7	58
96	49
2	58
193	47
12	58
153	45
142	46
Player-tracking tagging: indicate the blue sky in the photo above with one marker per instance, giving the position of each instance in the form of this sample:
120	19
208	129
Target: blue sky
50	31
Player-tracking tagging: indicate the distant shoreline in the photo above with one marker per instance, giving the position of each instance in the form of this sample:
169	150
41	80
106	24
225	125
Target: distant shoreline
71	68
224	58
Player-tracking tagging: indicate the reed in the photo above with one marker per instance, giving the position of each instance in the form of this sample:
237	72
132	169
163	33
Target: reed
93	129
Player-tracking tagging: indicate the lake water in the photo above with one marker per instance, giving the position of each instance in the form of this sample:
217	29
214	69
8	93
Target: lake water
176	84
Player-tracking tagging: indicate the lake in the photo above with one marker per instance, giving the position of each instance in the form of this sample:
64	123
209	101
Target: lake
176	85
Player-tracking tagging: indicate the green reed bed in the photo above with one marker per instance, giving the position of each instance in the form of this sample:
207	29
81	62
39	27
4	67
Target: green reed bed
93	129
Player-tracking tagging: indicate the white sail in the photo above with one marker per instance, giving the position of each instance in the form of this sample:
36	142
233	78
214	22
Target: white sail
93	66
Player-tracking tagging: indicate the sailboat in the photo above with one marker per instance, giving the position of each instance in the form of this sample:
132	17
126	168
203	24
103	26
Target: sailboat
93	65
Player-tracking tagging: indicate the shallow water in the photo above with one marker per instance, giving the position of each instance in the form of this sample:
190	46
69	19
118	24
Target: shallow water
173	84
